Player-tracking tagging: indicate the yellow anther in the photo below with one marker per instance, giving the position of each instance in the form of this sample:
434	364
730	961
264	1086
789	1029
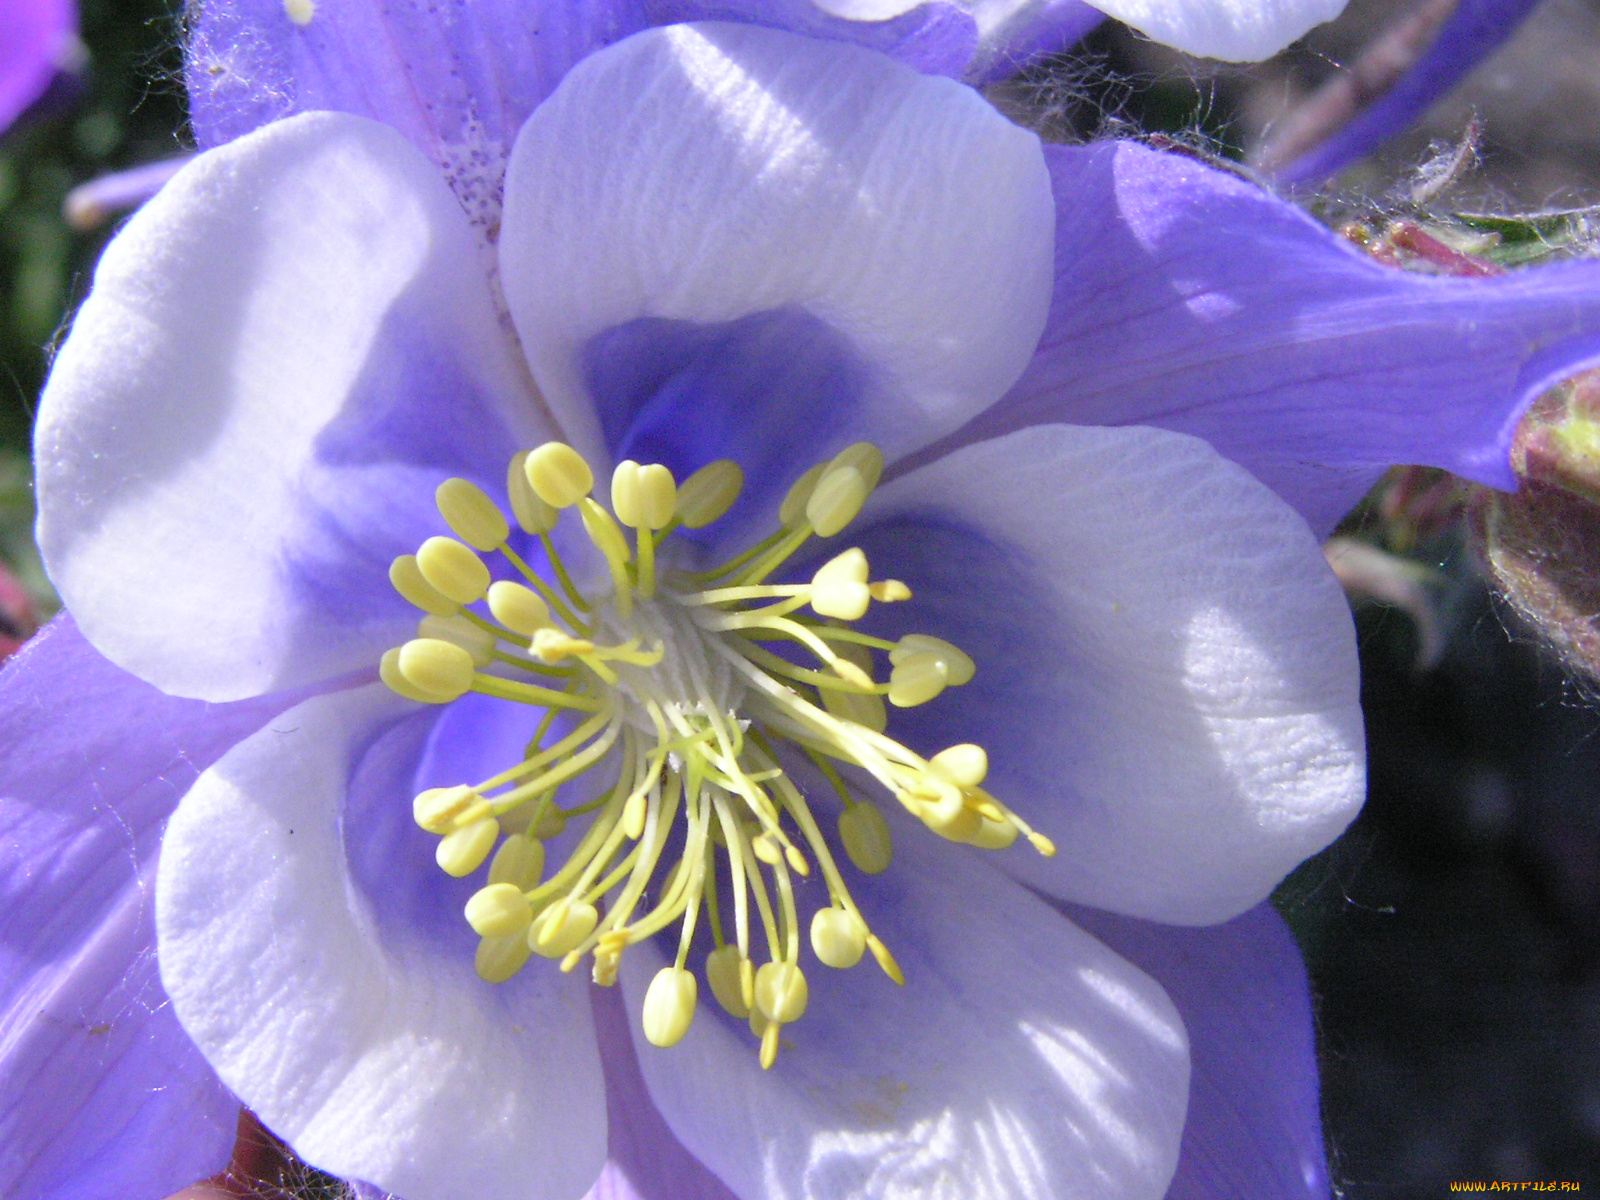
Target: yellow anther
766	850
471	515
887	591
439	670
957	824
993	835
885	960
864	708
797	861
603	532
723	974
836	500
865	458
633	815
781	992
839	938
532	513
916	679
474	639
793	509
550	645
625	501
865	835
439	810
643	497
769	1042
463	851
1042	844
558	474
389	672
300	12
669	1006
520	609
408	581
499	958
453	570
956	662
839	588
519	862
561	927
658	496
965	765
499	910
709	493
549	824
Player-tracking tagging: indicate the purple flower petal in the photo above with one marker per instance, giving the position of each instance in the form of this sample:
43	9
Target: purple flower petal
376	1052
101	1093
283	355
1254	1131
710	172
459	78
32	34
1191	299
1473	30
1020	1058
1166	673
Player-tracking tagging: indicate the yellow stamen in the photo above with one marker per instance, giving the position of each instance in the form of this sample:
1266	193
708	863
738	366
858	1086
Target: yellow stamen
693	684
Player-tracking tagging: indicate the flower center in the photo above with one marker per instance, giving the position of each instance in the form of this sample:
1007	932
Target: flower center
700	685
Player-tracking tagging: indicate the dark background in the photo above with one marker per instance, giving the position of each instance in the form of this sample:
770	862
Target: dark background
1451	934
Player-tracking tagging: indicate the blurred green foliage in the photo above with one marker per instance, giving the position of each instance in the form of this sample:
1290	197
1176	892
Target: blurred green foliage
122	107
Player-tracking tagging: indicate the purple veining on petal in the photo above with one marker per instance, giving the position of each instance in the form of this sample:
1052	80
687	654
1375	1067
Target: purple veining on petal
101	1093
646	1161
770	391
1050	28
1190	299
414	418
33	34
1472	32
1254	1130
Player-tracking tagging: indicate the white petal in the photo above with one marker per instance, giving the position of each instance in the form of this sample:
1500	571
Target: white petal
234	432
1021	1060
1233	30
707	172
1167	677
373	1054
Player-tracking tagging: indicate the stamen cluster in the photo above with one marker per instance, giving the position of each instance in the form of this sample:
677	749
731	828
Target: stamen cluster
675	675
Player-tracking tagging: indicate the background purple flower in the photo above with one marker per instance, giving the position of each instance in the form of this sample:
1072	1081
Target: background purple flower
34	34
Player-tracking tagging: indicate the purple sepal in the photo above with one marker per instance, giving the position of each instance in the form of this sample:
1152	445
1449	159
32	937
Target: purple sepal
1254	1130
33	34
1191	299
459	77
1053	27
1468	36
101	1093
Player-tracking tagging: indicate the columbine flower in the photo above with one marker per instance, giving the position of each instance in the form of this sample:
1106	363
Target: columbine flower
35	36
717	243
